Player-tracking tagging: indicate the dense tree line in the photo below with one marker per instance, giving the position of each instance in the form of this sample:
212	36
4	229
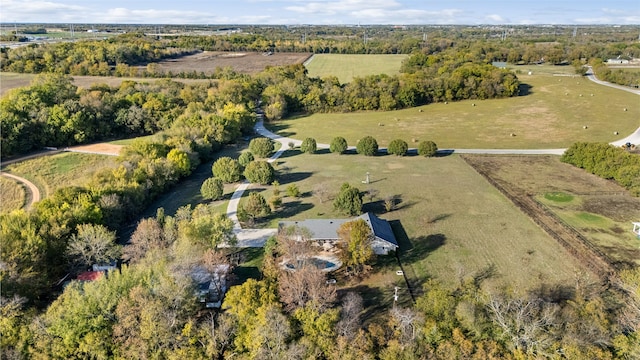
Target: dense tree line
196	121
606	161
112	56
54	112
149	309
617	76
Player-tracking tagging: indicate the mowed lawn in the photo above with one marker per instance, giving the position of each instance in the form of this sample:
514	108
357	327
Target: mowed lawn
346	67
456	223
552	114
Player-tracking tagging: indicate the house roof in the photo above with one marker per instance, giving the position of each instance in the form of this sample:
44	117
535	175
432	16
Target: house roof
327	229
380	227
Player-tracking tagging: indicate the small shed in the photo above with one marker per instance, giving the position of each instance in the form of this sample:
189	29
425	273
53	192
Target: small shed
90	276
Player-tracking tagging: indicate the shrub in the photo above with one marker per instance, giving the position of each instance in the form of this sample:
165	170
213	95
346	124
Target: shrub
309	146
349	200
212	189
245	158
338	145
260	172
275	202
367	146
398	147
261	147
427	148
293	191
227	169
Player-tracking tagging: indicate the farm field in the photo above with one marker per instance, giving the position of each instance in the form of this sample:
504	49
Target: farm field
49	173
346	67
552	114
599	209
456	224
10	81
243	62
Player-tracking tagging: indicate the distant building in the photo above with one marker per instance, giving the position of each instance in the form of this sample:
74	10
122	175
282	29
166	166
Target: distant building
326	231
617	61
499	64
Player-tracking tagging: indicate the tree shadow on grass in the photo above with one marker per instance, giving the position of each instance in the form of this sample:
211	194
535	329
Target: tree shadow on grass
279	129
421	247
292	208
292	177
290	153
524	89
374	300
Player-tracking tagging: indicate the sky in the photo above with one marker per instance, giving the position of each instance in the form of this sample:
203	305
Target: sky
322	12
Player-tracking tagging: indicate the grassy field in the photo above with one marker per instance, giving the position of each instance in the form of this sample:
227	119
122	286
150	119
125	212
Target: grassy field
599	209
12	195
49	173
451	223
551	115
346	67
10	81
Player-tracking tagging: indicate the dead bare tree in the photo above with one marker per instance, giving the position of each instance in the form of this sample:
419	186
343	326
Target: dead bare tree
305	285
527	323
407	323
350	315
321	192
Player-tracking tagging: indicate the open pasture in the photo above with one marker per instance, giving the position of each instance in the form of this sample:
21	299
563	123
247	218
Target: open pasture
451	223
60	170
599	209
346	67
552	112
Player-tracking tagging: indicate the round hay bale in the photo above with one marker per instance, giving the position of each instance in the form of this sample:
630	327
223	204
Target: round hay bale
615	133
380	124
446	102
625	109
585	127
420	110
474	104
512	134
580	95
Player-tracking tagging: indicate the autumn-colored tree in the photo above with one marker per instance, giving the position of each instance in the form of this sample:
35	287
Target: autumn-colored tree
356	238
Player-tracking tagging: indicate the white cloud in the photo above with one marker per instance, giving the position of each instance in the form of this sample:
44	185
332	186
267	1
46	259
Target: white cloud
39	11
495	18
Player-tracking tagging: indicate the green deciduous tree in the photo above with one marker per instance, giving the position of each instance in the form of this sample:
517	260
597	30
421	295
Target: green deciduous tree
427	148
397	147
367	146
261	147
338	145
349	200
260	172
309	146
227	169
212	189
